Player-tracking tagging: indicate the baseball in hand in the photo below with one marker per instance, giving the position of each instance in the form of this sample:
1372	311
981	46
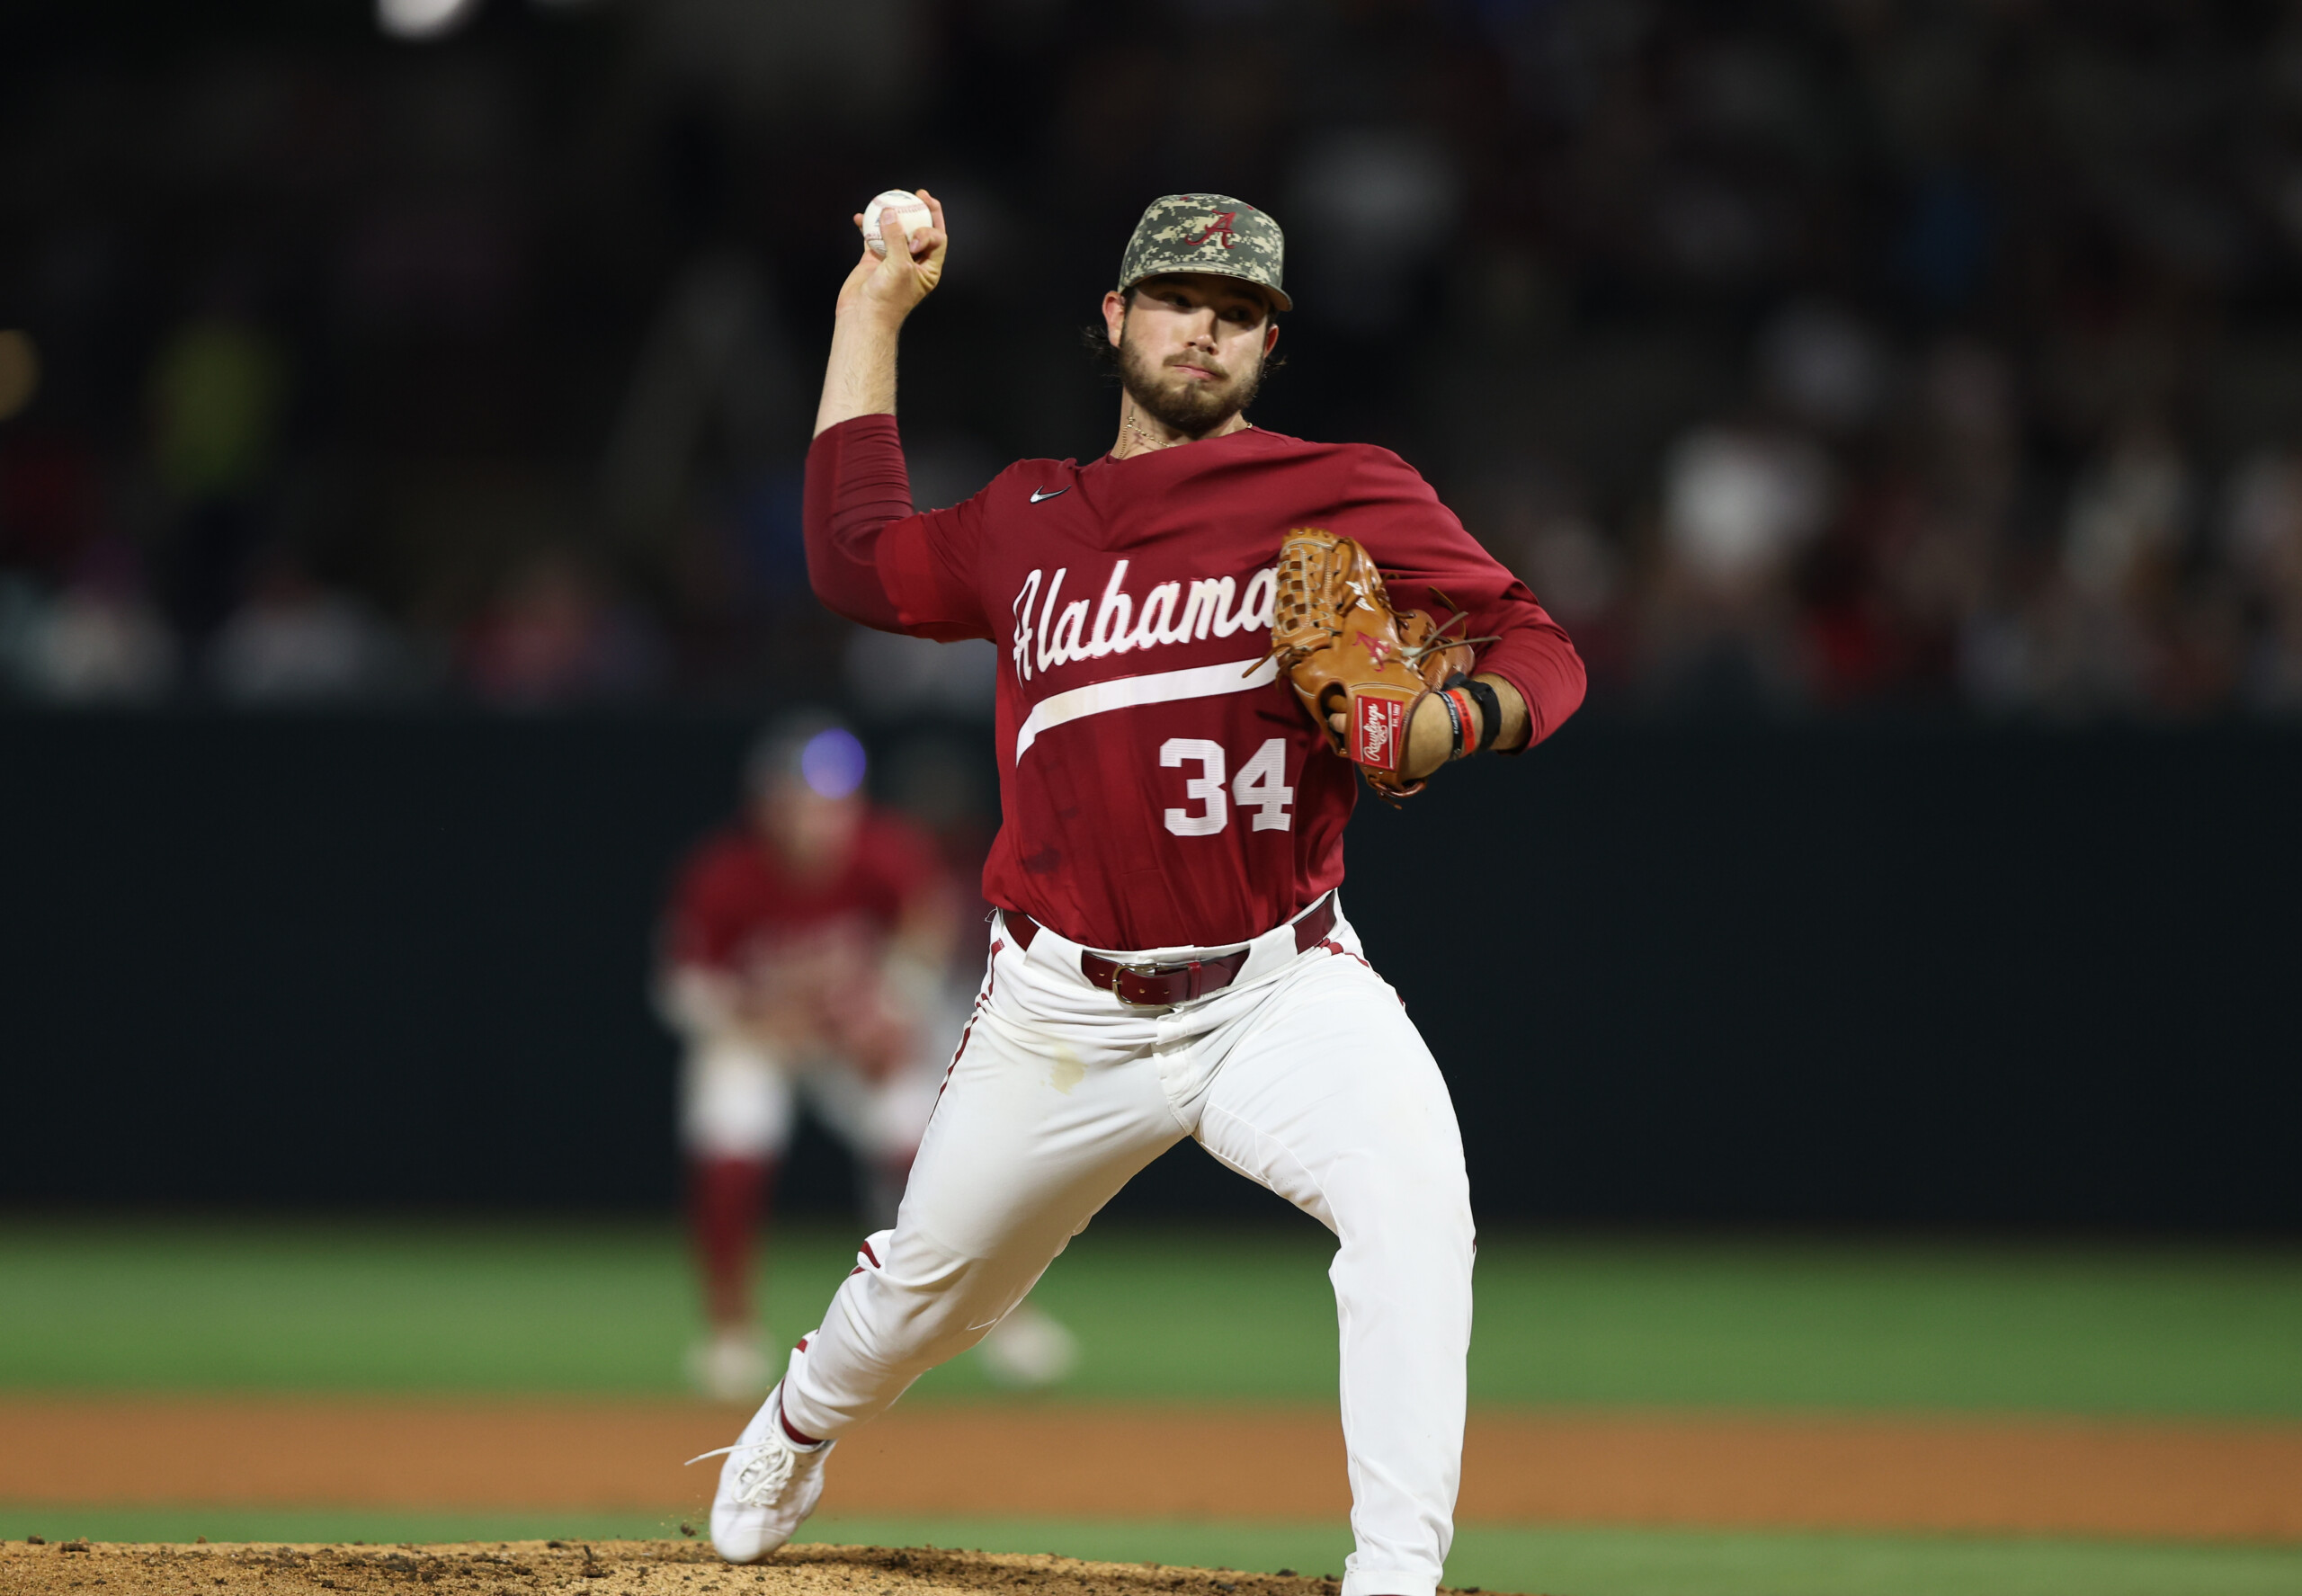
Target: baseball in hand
911	212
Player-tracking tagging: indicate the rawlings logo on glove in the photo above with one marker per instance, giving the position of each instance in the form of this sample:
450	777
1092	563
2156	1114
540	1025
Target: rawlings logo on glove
1377	742
1346	651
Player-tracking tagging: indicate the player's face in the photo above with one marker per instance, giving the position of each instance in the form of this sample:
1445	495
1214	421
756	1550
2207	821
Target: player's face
812	833
1190	347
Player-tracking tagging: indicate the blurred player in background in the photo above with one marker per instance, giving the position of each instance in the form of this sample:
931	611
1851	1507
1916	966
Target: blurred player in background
807	951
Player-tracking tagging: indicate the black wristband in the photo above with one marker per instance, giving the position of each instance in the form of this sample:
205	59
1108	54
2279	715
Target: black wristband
1490	710
1454	723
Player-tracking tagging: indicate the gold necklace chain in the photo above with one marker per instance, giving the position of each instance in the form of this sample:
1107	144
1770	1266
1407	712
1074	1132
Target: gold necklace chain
1132	425
1136	427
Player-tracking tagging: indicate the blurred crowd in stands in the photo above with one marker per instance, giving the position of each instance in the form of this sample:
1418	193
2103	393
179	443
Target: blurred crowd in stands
1805	357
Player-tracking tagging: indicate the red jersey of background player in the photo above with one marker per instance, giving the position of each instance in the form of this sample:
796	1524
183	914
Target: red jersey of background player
1160	784
737	906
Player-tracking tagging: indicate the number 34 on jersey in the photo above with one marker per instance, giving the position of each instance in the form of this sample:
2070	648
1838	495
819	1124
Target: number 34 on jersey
1258	789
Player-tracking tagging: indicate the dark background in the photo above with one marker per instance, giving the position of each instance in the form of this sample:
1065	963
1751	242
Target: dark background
1803	354
1858	972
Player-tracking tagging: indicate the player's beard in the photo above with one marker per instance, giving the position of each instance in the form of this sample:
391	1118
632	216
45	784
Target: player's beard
1192	408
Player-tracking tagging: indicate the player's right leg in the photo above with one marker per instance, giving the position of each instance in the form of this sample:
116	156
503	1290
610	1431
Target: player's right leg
1335	1103
735	1119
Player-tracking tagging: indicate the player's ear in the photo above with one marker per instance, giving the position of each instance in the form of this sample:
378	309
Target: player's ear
1114	315
1270	336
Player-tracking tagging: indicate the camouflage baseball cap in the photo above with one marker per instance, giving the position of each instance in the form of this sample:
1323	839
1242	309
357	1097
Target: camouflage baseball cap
1211	232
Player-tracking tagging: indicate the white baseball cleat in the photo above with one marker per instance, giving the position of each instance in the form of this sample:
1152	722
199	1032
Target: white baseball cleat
729	1366
1027	1349
768	1485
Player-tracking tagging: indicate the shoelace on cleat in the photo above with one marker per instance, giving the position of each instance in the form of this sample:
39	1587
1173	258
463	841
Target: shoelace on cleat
760	1481
757	1481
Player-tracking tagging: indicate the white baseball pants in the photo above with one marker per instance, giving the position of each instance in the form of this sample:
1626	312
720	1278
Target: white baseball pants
738	1100
1306	1075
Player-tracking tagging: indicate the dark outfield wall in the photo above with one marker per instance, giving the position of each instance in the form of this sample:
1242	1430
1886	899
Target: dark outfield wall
1799	975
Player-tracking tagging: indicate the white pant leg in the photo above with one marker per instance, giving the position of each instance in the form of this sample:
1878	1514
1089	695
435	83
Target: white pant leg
1314	1083
1037	1128
879	1120
1332	1100
735	1101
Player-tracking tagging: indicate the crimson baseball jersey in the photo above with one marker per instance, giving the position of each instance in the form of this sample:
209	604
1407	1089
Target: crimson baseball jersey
736	901
1160	785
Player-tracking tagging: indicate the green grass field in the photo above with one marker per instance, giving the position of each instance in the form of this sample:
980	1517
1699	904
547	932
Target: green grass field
1844	1326
1737	1323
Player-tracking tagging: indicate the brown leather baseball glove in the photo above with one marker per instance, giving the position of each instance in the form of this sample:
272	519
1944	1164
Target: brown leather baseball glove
1343	646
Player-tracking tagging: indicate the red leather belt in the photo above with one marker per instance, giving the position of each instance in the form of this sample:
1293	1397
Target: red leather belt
1163	985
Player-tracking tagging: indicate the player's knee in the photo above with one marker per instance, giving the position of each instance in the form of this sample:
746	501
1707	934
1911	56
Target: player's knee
959	1330
934	1303
934	1328
1404	1205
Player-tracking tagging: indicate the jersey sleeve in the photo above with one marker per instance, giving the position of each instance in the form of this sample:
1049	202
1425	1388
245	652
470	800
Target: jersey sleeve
874	559
1430	562
705	923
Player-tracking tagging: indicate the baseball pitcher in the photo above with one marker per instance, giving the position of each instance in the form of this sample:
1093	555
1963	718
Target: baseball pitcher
1213	633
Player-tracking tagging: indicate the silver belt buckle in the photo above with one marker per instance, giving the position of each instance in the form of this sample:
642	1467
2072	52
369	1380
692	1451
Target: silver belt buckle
1151	972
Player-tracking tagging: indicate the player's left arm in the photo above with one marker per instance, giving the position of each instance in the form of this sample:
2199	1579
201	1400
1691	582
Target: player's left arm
1516	729
1430	562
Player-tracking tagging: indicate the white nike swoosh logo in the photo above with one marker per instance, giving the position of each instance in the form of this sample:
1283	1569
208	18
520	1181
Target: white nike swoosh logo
1039	492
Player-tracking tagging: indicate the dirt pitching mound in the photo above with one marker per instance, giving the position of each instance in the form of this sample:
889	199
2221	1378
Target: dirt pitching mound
599	1568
